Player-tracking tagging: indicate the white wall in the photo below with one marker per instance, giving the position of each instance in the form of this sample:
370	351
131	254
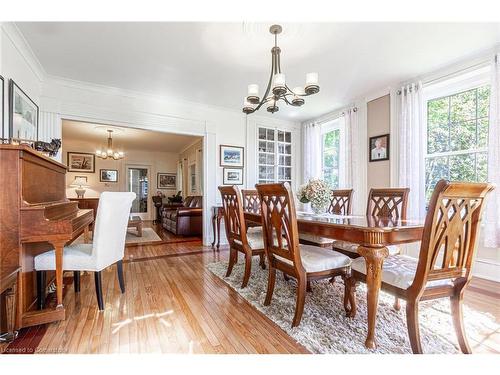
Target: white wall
17	63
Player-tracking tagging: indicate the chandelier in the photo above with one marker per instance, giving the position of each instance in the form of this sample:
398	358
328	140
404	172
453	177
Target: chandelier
277	89
109	152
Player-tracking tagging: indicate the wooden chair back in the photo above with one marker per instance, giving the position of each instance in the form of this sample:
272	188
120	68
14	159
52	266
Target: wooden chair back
279	223
388	203
340	202
234	219
251	201
449	241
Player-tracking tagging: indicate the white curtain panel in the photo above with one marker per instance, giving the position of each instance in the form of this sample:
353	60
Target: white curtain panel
410	122
492	219
179	177
312	151
353	160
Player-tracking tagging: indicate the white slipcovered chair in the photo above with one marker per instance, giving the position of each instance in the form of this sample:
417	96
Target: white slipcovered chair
107	247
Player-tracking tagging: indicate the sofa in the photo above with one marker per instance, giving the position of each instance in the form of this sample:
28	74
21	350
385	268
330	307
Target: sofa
185	220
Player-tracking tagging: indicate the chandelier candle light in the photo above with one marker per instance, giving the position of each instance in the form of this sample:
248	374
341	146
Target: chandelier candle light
110	152
277	88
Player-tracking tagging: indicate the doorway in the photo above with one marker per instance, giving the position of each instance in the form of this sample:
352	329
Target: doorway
138	181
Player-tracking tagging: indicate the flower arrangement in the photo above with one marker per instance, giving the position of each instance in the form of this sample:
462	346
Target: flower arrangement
317	192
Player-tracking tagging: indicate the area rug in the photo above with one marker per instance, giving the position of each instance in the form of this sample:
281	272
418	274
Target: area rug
325	328
148	235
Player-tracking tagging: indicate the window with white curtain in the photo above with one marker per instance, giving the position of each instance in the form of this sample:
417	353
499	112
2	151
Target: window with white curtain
274	155
457	133
333	152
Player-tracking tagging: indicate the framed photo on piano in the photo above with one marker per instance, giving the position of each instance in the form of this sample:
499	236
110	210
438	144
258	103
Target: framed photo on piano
81	162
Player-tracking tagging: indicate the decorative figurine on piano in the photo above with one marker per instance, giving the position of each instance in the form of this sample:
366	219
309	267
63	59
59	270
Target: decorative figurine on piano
51	148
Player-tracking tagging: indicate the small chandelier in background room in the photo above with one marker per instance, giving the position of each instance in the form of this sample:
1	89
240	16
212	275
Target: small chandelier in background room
277	89
109	152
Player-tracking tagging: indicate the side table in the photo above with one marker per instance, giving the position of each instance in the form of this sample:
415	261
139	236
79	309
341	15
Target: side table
217	215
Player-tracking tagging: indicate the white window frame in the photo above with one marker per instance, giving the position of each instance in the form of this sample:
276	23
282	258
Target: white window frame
336	124
276	154
465	82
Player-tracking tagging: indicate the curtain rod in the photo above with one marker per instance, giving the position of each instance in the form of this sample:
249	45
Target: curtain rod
336	116
455	73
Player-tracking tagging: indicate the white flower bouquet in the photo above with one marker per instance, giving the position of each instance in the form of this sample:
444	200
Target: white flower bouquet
317	192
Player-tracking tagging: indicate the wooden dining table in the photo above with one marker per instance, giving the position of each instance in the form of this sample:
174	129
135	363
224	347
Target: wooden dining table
373	234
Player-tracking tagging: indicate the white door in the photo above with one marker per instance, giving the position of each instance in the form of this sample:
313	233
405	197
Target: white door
138	181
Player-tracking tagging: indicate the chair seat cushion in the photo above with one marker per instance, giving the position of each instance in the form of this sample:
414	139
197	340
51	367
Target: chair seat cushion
353	247
317	259
254	238
397	270
76	257
315	239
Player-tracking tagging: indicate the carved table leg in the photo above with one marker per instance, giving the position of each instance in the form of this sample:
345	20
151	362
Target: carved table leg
219	217
214	218
86	234
374	258
10	303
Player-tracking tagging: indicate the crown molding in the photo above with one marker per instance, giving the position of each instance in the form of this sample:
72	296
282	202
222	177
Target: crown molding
19	42
132	94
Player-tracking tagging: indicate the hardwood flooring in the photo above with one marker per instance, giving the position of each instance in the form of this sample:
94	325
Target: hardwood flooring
174	305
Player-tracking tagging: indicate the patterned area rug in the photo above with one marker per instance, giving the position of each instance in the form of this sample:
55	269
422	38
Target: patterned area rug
325	328
148	235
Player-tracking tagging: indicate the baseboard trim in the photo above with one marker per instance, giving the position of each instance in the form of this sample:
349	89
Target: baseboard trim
486	269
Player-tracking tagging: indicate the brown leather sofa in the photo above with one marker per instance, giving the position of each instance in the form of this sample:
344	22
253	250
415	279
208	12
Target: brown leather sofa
186	220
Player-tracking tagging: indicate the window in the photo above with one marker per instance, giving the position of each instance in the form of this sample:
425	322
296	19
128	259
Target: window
332	143
457	137
274	155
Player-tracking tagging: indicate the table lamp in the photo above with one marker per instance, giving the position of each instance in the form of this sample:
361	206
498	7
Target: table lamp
79	183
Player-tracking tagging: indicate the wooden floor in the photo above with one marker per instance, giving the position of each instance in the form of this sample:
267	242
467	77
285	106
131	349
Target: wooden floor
174	305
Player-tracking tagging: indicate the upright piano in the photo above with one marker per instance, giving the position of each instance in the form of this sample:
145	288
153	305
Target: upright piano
35	216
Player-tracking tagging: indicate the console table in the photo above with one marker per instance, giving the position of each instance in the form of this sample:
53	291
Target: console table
217	215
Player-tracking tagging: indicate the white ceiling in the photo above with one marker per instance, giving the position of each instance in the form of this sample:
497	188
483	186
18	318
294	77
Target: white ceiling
213	63
126	138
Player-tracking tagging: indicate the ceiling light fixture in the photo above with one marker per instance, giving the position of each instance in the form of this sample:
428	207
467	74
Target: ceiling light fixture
109	152
277	88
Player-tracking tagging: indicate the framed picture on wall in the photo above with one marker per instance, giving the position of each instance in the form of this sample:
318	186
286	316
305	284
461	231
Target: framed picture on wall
232	176
81	162
108	175
379	147
82	178
23	114
166	181
231	156
2	103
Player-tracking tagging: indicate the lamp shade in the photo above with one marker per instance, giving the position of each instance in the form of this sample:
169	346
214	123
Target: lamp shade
79	182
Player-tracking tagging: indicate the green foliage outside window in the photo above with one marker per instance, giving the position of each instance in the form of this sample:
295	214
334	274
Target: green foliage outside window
331	155
457	138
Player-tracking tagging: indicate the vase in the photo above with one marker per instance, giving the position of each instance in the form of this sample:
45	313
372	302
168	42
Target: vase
318	209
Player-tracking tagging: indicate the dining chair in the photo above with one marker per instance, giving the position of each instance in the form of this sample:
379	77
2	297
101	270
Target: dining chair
387	203
107	247
340	204
443	268
284	253
248	241
251	203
